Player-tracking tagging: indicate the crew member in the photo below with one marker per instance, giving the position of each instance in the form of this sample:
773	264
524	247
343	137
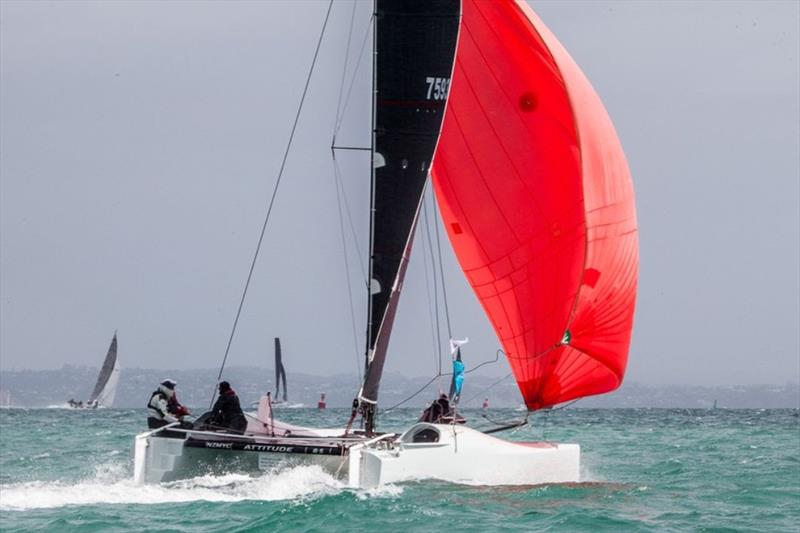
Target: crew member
227	413
163	407
437	410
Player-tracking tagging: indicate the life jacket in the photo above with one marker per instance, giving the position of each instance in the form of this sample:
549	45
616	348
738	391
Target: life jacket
158	405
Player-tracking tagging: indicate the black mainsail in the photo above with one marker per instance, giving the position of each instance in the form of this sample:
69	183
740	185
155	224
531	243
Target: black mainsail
415	44
280	372
105	388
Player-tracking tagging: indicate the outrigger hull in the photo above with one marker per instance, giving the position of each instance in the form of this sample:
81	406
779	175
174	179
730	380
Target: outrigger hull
160	458
459	454
171	453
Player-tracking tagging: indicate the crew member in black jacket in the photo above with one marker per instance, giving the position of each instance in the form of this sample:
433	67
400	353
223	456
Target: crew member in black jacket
227	413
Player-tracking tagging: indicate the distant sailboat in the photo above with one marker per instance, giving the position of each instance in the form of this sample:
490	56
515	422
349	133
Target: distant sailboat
106	387
280	378
280	374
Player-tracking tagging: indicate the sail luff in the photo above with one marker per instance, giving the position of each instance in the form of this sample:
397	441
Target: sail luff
106	371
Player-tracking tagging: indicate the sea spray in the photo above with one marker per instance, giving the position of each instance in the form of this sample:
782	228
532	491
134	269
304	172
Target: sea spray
112	485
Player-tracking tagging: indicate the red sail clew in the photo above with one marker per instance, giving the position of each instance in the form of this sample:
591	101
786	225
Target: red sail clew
538	202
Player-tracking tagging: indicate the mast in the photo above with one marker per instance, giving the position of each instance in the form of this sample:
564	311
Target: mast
371	184
413	54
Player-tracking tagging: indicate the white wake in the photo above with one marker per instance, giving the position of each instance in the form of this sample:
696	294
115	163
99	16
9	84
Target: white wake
111	484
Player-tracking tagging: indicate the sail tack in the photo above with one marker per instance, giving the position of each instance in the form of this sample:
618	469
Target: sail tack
538	202
414	52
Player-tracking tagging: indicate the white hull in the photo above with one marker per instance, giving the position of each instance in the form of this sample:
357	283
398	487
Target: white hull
170	453
162	459
462	455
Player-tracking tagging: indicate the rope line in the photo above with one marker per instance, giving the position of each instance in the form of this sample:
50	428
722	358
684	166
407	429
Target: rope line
395	406
437	362
272	200
484	391
496	358
441	271
440	374
435	287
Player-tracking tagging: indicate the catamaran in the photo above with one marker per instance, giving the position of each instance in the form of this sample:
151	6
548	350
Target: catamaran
105	389
537	200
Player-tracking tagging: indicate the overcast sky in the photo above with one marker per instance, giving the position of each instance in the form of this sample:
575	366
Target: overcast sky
140	141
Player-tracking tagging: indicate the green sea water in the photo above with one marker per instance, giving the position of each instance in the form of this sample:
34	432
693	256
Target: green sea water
643	470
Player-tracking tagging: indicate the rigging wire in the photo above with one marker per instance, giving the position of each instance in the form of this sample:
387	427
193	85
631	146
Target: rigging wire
487	389
435	287
435	351
395	406
272	199
496	358
440	374
441	271
344	69
337	184
337	169
350	218
355	74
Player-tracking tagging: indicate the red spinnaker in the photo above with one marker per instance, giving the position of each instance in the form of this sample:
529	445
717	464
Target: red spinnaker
538	202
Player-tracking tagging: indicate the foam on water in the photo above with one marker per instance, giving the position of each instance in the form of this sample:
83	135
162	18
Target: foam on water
111	484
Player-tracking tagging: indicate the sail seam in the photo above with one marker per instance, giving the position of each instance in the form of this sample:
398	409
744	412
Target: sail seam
571	317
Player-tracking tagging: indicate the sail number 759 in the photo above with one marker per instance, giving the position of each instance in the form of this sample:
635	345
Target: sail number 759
437	88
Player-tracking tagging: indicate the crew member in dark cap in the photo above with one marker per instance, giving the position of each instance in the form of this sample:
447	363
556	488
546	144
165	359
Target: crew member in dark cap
163	407
227	413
